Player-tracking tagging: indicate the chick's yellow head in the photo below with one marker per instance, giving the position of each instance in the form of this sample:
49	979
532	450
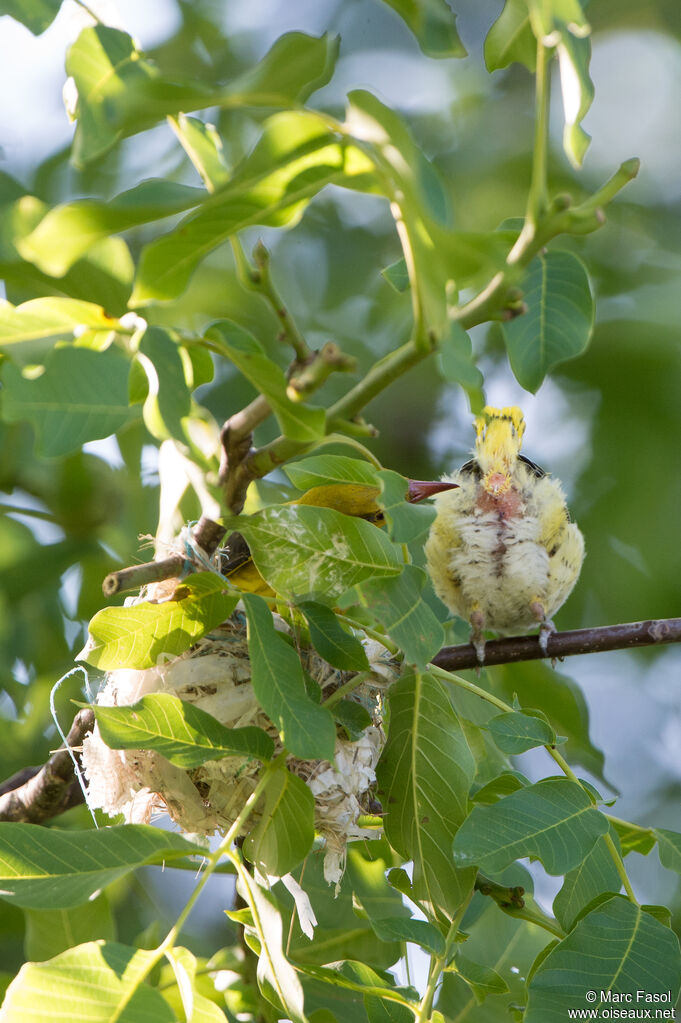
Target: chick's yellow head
499	439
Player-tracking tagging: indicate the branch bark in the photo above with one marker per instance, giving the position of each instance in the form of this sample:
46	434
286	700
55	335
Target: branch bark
563	644
53	788
207	536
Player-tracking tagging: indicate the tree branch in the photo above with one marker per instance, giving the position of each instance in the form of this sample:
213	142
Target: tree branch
53	788
207	536
563	644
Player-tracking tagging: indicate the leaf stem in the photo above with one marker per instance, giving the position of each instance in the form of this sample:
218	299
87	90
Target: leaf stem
438	963
537	196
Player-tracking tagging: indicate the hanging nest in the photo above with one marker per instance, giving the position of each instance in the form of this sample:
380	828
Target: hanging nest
215	675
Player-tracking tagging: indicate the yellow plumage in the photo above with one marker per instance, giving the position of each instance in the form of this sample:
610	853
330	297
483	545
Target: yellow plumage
502	552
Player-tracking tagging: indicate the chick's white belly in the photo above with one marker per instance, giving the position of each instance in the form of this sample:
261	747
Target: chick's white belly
501	568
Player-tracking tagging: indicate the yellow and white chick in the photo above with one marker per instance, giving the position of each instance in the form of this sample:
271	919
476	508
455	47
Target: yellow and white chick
502	552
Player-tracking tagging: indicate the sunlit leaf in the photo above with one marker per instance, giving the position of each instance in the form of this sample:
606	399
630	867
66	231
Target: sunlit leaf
202	143
617	947
559	319
325	470
168	399
42	318
64	986
186	735
511	38
44	868
303	550
297	420
306	728
120	91
553	820
295	157
277	978
140	635
68	231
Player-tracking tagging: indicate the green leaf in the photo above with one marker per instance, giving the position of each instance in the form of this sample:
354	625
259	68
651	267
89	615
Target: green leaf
283	836
202	143
295	157
405	521
457	365
617	947
186	735
482	980
49	318
82	395
301	550
434	25
276	977
417	197
669	848
331	641
139	635
340	932
558	323
398	605
497	788
97	981
52	931
121	92
196	1006
574	55
43	868
327	470
424	776
397	275
633	838
537	685
36	15
298	421
511	38
67	232
515	732
418	932
293	68
168	400
354	718
306	728
594	876
553	821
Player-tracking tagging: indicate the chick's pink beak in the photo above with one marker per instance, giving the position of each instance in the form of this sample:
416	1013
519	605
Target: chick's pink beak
419	490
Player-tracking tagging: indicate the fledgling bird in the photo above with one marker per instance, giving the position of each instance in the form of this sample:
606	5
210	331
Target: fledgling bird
502	552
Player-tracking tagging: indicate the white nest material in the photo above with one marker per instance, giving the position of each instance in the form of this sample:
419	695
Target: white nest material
215	675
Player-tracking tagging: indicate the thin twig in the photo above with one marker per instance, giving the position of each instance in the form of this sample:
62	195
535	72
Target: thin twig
53	788
207	535
563	644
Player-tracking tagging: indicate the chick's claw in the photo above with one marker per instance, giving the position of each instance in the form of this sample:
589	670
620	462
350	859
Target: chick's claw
546	629
477	638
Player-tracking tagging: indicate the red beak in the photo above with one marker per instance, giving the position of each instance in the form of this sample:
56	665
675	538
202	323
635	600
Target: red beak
419	490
